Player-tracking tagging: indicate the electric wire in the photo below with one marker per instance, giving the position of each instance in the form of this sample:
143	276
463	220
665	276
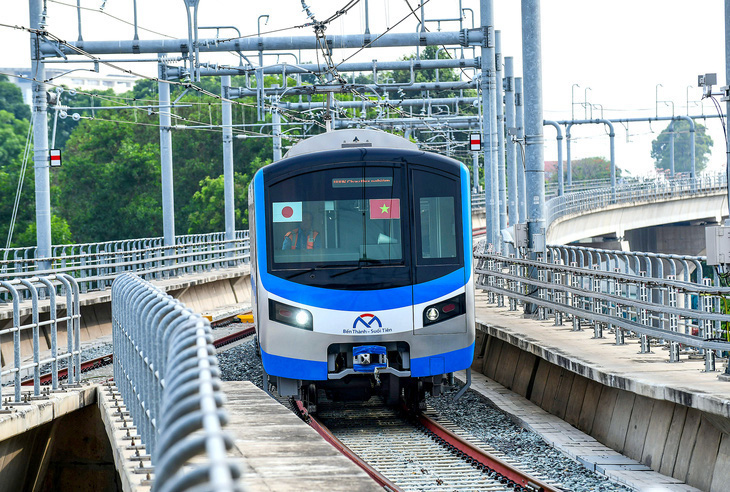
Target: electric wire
425	28
99	11
21	179
367	45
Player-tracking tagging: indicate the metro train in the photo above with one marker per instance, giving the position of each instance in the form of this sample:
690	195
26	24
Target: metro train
361	268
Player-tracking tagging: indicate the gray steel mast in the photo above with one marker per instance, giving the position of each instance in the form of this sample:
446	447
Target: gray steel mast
534	152
41	165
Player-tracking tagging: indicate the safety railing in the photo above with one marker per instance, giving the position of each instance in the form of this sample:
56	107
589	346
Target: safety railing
95	265
626	294
643	191
167	373
38	335
552	187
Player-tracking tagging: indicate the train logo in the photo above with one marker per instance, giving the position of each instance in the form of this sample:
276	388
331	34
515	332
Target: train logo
368	324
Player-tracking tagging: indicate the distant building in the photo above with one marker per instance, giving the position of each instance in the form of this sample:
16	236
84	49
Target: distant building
80	80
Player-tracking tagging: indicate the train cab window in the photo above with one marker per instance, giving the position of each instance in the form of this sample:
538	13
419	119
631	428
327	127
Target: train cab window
337	218
438	227
438	221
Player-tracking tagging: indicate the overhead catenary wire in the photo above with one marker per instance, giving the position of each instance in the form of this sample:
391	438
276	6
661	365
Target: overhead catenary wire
103	12
21	179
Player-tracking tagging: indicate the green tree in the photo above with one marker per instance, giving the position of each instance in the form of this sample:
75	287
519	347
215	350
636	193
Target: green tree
60	232
660	148
13	135
209	201
588	168
11	99
109	185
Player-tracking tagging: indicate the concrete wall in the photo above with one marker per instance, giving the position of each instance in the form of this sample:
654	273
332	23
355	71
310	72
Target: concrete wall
672	439
56	443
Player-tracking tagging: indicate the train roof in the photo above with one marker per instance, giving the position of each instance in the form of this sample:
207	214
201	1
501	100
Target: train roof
350	138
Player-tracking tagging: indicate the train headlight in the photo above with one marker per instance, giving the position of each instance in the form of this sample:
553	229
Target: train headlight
289	315
450	308
302	317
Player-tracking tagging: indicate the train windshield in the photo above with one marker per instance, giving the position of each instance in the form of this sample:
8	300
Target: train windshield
337	218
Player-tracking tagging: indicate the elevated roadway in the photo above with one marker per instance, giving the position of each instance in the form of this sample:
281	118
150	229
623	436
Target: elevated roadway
597	213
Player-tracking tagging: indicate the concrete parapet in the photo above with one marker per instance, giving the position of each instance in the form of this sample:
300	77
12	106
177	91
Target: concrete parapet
55	443
673	418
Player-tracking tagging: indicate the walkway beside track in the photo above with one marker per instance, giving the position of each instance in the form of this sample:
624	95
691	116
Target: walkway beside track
282	452
674	418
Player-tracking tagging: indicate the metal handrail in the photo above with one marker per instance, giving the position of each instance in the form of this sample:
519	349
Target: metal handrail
95	265
167	372
65	313
624	299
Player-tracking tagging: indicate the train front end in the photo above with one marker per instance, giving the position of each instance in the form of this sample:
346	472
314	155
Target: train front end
361	248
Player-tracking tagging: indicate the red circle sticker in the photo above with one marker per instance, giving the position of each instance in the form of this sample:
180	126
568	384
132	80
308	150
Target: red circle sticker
287	212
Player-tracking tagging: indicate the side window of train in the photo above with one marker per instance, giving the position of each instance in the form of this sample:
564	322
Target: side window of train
438	214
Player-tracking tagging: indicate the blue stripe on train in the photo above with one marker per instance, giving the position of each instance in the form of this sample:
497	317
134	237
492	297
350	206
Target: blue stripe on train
312	370
287	367
434	365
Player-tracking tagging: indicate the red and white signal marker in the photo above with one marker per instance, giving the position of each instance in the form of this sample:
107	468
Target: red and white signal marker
475	142
55	157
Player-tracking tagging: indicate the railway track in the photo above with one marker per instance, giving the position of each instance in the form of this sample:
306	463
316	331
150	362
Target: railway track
108	359
413	451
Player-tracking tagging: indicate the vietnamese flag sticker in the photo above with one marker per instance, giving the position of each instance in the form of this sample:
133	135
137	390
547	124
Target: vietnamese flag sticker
385	208
287	211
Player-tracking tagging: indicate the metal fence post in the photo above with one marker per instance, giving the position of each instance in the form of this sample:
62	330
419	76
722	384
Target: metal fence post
673	320
644	315
558	294
596	304
706	327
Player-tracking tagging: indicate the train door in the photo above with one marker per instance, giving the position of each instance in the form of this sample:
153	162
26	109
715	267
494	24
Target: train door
437	242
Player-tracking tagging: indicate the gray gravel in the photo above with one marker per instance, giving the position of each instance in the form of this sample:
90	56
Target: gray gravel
476	416
473	414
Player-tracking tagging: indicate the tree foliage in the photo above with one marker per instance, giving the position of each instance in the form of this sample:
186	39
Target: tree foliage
660	148
110	185
588	168
209	202
11	99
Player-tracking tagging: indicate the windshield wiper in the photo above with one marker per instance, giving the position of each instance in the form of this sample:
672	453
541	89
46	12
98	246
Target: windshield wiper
360	262
319	267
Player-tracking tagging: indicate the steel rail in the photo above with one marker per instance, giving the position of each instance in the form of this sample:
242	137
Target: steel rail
447	446
327	435
517	476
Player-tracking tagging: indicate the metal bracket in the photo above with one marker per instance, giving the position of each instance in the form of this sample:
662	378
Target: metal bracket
488	41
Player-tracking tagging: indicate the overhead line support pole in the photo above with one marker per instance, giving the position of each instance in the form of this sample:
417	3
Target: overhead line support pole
41	165
489	123
520	125
228	174
534	152
500	137
509	104
168	202
727	104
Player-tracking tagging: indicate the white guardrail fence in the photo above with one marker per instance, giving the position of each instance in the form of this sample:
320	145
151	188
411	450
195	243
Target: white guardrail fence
95	265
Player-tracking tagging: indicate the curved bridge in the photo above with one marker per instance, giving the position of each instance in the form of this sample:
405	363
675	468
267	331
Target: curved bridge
605	212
